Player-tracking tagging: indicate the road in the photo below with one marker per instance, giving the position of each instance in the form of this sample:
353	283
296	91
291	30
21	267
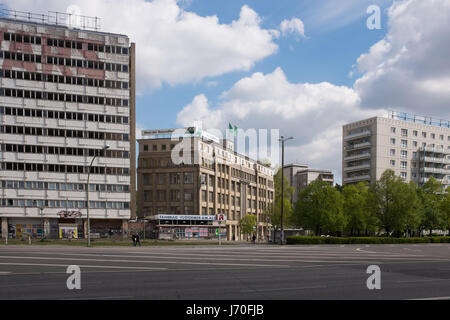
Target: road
257	272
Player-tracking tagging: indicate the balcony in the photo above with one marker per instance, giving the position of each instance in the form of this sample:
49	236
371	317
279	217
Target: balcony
435	170
443	160
357	178
435	150
366	133
357	168
358	146
358	157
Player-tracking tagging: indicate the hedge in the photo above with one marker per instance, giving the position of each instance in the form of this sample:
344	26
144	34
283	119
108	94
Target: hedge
363	240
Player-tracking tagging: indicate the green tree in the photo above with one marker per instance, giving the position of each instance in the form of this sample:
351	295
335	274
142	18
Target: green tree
393	202
247	224
274	212
319	208
445	210
431	195
357	216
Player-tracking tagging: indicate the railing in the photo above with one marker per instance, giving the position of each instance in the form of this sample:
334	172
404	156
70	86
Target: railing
357	168
358	146
357	178
358	156
362	134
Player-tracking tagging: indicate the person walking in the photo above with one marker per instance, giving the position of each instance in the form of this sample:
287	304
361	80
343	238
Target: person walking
138	241
133	237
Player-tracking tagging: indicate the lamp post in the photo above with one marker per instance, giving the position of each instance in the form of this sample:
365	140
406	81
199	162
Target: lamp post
283	140
41	208
87	196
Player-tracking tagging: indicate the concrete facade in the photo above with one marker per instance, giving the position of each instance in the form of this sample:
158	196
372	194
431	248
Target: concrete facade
416	148
300	176
218	181
65	94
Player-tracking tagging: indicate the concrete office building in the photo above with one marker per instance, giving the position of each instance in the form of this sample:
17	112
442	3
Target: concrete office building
219	181
415	147
300	176
66	93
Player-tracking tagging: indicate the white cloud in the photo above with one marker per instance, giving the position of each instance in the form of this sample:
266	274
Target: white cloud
409	69
294	26
312	113
174	45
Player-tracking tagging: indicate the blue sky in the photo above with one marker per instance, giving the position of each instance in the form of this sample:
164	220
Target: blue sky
327	54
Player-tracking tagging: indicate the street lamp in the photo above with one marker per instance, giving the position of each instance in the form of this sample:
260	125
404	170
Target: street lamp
41	208
87	195
283	140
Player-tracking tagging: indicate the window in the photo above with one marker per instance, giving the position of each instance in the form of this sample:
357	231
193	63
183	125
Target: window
433	136
404	154
392	140
147	179
403	175
148	196
404	144
188	178
392	163
188	195
175	195
393	129
403	164
424	134
404	132
161	178
392	152
415	143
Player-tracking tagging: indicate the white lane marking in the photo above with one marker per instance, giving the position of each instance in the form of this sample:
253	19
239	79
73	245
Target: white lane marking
433	298
99	298
282	289
422	280
5	272
412	250
81	266
219	257
149	261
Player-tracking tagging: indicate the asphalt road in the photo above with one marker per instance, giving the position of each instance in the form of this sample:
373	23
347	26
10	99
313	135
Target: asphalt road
257	272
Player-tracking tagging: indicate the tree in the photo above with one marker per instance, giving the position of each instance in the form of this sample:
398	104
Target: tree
357	217
319	208
393	202
247	224
431	196
445	210
274	212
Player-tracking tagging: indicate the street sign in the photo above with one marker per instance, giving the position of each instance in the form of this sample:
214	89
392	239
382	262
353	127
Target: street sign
221	217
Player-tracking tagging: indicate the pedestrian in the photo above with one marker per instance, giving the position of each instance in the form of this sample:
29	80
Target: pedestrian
254	239
138	240
133	237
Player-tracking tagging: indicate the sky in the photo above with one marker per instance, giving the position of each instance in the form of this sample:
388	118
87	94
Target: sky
305	67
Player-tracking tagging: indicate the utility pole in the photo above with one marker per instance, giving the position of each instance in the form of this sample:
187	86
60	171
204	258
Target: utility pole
87	197
283	140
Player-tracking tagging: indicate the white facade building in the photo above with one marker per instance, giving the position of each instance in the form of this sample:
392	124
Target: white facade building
415	148
64	95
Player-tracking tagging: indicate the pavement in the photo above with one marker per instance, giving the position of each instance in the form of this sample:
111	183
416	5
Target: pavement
252	272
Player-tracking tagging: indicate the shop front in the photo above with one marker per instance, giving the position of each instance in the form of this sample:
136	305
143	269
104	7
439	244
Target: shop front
171	227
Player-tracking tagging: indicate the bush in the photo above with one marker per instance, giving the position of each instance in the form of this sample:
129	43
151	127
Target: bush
363	240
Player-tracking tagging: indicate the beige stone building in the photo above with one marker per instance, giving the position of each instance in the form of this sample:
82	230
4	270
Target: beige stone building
415	147
300	176
216	180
